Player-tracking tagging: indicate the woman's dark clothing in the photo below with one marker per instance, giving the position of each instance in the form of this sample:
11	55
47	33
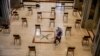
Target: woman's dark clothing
58	36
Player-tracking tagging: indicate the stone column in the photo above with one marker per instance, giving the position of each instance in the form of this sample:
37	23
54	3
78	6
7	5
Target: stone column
5	11
86	11
96	44
76	3
97	14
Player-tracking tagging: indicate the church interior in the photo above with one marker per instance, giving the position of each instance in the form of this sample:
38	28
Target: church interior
28	27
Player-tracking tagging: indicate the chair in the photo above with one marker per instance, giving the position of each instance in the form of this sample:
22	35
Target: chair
37	27
24	20
30	10
70	49
16	16
85	40
68	28
37	5
65	17
77	22
63	5
53	11
52	20
15	12
22	5
17	37
5	27
75	10
31	48
39	15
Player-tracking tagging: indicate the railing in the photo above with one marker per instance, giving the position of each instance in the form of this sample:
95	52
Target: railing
89	33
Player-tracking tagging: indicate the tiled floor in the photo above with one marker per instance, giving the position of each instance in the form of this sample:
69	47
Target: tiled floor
7	47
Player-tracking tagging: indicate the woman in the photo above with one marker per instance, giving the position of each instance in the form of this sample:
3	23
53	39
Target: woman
58	35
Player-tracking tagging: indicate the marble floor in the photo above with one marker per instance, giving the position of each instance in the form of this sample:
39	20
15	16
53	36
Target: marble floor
7	47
